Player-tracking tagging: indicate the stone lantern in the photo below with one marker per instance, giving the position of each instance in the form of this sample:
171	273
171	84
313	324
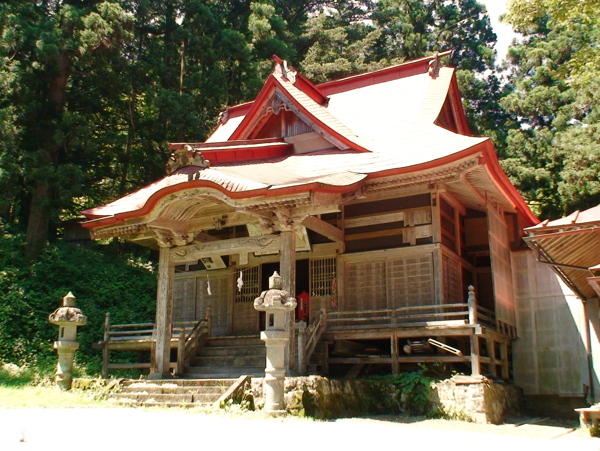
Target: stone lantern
275	302
67	318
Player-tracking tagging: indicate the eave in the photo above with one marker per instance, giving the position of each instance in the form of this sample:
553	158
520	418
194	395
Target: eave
261	196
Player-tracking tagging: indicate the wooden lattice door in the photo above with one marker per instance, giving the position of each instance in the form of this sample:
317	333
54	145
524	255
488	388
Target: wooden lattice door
245	316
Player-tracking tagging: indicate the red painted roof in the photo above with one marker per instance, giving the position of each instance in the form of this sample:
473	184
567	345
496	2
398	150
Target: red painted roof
379	124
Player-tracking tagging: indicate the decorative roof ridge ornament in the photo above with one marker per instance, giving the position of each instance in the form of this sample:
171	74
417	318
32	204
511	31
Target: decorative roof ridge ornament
224	115
434	66
187	156
287	72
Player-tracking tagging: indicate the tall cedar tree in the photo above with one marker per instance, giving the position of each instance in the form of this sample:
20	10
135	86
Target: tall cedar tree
45	45
553	158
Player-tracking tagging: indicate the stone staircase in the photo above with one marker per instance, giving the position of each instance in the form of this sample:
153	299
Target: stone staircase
228	357
173	392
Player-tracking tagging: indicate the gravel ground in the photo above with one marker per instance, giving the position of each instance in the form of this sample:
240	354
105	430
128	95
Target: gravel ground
136	429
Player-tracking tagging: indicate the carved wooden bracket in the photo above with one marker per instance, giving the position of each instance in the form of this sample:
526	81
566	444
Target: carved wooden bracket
170	238
290	221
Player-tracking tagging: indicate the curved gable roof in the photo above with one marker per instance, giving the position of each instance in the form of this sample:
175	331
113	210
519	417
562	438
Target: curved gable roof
384	120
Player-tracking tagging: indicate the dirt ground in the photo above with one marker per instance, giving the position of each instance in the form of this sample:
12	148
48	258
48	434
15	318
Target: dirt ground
132	429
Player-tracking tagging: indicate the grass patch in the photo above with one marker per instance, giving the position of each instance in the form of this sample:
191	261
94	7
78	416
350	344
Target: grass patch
24	386
48	396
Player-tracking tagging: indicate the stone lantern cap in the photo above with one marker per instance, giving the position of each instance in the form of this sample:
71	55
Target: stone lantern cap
275	298
68	313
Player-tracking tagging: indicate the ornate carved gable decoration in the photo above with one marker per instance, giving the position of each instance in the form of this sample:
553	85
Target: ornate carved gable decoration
188	156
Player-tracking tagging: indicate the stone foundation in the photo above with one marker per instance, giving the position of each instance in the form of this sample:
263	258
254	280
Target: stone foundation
476	399
462	398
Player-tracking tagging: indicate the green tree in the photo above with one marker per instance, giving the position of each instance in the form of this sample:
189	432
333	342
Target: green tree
94	90
553	156
583	64
44	45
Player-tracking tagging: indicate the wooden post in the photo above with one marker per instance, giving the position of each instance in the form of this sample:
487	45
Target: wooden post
395	352
181	353
505	361
475	352
105	349
491	349
164	316
287	268
288	261
472	305
302	364
209	320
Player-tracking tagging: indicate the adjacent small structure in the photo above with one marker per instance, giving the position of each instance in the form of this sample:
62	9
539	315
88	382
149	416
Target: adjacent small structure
276	302
570	246
67	318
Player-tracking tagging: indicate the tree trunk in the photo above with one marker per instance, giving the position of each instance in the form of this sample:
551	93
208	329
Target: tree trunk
39	220
38	223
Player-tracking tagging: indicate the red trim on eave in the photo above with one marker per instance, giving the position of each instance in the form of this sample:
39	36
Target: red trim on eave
240	109
457	108
501	180
428	164
265	192
241	142
236	151
311	90
264	94
492	166
402	70
247	154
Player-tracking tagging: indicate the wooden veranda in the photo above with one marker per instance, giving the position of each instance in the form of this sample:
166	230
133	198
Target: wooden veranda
485	340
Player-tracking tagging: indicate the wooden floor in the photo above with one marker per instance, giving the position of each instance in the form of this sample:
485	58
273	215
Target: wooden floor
484	350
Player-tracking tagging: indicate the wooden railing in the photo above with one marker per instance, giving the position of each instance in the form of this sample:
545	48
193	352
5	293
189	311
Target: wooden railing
441	314
308	339
141	337
465	313
188	345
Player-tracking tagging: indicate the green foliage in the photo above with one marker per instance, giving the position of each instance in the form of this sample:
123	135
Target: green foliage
415	387
553	156
102	279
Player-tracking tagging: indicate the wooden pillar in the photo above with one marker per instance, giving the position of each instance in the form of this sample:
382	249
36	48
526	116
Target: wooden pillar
395	353
164	316
287	271
105	348
505	360
288	261
491	349
475	353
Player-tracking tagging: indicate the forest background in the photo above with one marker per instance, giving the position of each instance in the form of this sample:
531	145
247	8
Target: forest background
91	92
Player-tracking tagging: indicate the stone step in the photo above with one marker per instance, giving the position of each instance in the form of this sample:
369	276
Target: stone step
225	382
247	340
230	360
224	371
165	398
192	390
233	350
173	392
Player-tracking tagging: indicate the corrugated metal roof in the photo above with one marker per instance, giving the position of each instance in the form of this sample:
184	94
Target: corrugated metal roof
586	217
572	243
